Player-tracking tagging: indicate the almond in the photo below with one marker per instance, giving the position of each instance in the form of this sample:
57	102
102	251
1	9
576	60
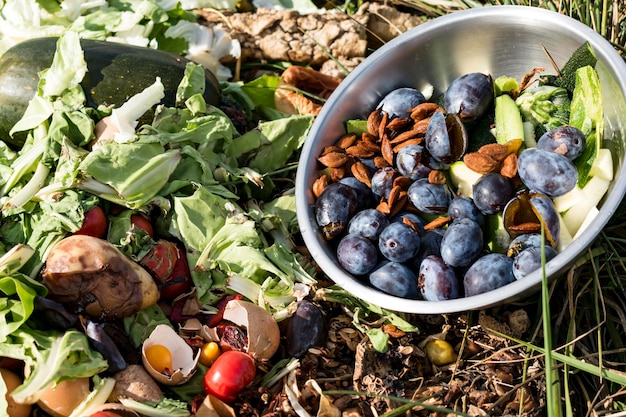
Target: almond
379	162
495	150
424	110
399	123
437	223
373	122
403	182
414	141
481	163
360	151
346	140
320	185
361	173
509	166
334	159
386	150
383	125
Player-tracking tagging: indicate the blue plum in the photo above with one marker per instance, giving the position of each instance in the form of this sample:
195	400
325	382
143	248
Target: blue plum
398	242
400	101
462	243
469	95
529	260
437	281
489	272
566	140
463	207
382	181
492	192
368	223
356	254
396	279
410	162
428	197
547	172
334	208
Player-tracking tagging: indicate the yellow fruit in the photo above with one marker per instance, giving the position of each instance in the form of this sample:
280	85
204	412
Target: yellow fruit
209	353
159	357
439	352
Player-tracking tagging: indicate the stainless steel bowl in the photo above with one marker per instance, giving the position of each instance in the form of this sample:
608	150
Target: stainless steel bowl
500	40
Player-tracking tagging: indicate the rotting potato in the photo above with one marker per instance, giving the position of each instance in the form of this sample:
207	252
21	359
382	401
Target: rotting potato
135	383
93	276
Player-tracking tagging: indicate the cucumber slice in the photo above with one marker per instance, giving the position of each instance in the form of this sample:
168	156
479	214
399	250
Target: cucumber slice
602	166
565	238
508	120
591	195
462	178
592	214
496	237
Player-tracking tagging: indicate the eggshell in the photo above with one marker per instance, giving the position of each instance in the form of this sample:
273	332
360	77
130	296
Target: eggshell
263	331
183	361
62	399
12	381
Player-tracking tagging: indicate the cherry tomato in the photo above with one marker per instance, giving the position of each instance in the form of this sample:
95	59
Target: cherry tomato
141	222
94	224
229	375
440	352
209	353
180	281
159	357
105	414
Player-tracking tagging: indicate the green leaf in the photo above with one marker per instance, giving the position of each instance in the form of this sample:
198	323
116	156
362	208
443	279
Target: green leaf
274	142
136	171
587	114
49	357
17	302
261	90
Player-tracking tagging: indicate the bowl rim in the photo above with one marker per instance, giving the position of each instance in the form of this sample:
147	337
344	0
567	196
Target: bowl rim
509	292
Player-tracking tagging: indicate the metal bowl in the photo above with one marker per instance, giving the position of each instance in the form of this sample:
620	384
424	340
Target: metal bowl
500	40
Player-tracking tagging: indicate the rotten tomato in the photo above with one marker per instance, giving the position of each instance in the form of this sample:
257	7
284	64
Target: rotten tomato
229	375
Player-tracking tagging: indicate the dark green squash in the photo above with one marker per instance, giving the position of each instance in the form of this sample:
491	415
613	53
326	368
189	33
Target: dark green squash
115	73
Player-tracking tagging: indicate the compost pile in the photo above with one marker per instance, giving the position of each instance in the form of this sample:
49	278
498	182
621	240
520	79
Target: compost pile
344	373
208	217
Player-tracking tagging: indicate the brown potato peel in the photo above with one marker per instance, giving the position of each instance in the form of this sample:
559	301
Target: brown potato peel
96	278
295	80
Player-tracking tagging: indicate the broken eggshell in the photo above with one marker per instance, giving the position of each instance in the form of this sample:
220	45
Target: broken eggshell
263	334
184	362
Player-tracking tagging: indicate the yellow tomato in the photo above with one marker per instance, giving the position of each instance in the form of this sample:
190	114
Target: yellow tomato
209	353
159	357
439	352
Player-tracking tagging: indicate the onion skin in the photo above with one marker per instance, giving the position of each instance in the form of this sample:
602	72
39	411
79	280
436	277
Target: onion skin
97	279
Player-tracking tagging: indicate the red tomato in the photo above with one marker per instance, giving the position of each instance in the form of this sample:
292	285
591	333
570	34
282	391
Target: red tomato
180	282
141	222
105	414
229	375
94	224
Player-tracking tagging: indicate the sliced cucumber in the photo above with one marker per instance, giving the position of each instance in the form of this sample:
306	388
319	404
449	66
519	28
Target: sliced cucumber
565	238
496	237
529	135
592	193
592	214
568	200
508	120
463	178
602	166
